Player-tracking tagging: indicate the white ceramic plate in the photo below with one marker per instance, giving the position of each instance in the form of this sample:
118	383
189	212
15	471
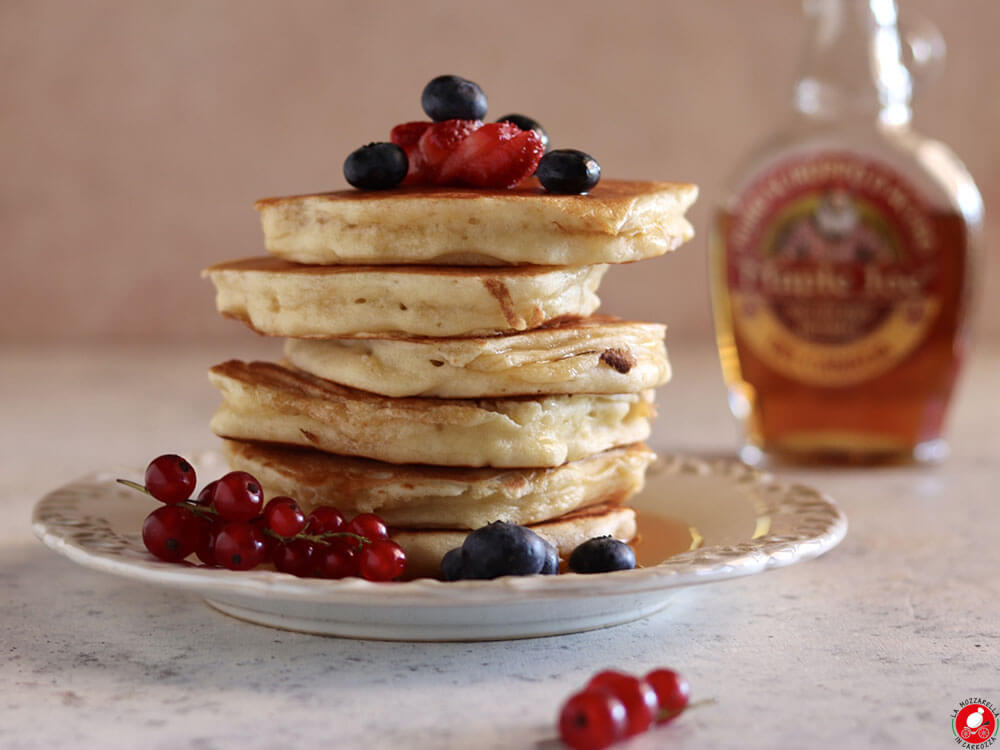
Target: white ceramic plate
749	523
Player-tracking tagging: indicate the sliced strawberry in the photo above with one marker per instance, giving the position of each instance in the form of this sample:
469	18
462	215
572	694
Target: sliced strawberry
407	136
438	143
497	155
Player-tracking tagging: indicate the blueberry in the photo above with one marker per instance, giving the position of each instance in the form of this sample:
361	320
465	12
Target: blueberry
551	566
453	98
451	565
377	166
601	555
526	123
502	549
567	170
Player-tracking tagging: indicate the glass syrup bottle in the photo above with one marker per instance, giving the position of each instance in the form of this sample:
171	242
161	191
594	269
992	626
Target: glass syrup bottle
841	260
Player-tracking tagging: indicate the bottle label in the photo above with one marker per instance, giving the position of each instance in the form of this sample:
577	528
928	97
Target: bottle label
832	266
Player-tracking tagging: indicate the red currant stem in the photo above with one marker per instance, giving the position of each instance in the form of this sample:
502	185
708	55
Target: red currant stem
133	485
205	511
279	537
667	715
320	538
361	540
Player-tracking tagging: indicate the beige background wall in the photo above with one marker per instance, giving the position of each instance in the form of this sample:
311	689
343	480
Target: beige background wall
134	136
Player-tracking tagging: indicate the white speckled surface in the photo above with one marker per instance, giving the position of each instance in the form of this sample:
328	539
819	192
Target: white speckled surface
869	646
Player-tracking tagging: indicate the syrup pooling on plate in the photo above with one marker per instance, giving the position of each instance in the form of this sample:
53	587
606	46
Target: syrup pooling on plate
660	537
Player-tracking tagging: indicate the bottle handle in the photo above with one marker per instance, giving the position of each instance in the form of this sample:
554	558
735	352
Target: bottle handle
923	50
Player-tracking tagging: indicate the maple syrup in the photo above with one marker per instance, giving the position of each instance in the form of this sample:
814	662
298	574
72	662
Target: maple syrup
660	537
841	261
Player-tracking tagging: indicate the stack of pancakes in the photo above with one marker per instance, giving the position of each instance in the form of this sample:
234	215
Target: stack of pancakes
443	365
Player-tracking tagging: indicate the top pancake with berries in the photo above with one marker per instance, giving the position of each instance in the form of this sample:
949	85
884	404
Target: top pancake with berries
456	189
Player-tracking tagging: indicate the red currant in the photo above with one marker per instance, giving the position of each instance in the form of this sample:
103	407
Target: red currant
325	519
270	543
592	720
381	560
170	479
239	546
369	526
672	692
238	497
338	559
170	532
295	557
284	517
207	494
208	528
641	705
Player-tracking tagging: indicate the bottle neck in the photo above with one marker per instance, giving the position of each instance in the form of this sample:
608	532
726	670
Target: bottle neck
853	65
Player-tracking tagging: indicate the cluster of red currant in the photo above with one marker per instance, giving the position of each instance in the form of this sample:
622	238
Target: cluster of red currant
229	525
615	706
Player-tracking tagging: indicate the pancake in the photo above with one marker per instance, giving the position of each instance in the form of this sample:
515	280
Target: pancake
576	355
619	221
278	298
416	496
425	547
270	403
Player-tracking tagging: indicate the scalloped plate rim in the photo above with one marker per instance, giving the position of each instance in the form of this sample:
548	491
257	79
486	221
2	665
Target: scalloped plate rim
790	502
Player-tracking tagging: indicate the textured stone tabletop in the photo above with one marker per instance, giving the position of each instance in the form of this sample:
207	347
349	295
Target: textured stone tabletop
872	645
